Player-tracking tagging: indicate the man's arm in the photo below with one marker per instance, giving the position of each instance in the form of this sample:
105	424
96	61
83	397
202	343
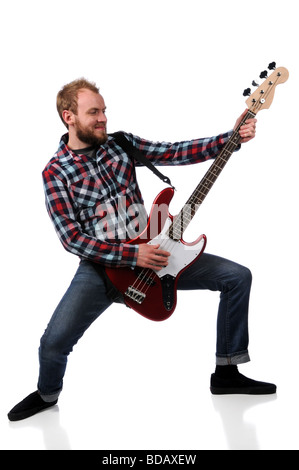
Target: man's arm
70	232
193	151
206	148
180	153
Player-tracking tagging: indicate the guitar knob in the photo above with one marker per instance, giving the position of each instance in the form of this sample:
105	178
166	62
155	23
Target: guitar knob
272	66
254	83
264	74
247	92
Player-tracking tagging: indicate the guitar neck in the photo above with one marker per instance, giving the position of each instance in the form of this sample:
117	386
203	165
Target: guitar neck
189	210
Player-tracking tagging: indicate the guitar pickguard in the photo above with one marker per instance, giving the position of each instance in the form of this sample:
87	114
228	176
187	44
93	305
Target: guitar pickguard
182	254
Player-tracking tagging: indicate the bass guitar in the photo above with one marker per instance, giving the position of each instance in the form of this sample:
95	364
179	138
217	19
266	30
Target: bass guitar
151	293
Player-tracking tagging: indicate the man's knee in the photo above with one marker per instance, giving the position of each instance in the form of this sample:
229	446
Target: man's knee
244	276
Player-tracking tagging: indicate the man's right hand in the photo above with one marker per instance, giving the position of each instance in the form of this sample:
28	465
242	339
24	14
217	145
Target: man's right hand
149	256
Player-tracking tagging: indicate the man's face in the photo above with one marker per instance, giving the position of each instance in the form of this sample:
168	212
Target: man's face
90	121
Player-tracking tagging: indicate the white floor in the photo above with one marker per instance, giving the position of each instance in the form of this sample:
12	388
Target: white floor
135	384
211	423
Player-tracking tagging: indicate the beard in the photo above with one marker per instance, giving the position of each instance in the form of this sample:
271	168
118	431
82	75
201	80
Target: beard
89	137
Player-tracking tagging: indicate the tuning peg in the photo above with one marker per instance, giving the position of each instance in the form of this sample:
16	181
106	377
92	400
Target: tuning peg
272	66
264	74
254	83
247	92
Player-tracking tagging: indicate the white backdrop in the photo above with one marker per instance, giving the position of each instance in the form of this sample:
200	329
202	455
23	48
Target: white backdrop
168	70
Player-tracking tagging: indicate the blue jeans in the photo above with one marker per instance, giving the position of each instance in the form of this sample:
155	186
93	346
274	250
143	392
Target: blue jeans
86	299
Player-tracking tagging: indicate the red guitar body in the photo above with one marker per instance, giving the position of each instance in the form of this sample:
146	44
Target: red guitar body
151	293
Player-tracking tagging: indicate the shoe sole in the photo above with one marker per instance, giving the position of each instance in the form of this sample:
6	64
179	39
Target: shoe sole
243	391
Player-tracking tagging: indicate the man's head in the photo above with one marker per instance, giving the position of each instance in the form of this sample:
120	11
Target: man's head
82	110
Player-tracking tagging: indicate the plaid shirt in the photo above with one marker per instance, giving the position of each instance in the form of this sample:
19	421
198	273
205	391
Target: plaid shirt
96	204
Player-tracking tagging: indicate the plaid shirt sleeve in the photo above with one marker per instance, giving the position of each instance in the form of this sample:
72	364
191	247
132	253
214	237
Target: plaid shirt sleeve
181	153
70	231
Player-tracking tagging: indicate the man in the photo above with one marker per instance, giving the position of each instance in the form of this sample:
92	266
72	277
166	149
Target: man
85	182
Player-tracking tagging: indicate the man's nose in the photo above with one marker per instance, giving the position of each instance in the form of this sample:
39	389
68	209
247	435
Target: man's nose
102	117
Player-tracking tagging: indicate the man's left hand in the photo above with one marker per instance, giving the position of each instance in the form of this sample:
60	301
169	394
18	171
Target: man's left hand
247	131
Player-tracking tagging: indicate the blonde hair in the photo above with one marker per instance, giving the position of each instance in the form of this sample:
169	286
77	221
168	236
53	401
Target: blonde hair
67	97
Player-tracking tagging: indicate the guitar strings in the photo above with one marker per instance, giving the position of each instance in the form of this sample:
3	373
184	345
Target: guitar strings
140	284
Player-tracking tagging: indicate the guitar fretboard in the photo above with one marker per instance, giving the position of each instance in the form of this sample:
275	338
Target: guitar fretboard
189	210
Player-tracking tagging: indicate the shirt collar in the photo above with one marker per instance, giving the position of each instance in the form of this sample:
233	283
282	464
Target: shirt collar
66	155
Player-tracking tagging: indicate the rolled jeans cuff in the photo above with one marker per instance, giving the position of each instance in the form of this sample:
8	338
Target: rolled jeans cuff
50	398
235	359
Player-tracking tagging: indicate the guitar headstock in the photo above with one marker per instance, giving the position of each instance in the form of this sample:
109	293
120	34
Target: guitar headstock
263	96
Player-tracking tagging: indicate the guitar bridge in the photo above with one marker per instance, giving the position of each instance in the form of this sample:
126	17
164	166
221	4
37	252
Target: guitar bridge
135	294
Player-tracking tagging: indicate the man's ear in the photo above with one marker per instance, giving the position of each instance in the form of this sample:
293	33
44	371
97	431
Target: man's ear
68	117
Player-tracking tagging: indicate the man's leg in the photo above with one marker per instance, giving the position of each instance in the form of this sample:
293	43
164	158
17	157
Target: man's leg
83	303
234	283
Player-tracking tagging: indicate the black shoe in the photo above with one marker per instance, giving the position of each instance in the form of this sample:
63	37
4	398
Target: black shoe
240	385
29	406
